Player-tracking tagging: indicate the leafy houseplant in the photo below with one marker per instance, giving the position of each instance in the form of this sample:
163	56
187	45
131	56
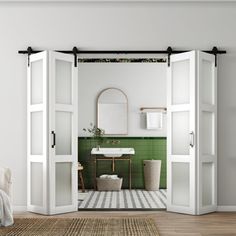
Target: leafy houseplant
96	133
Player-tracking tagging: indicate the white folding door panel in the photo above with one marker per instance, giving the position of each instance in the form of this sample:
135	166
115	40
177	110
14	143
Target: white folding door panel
52	133
63	133
181	165
207	134
37	138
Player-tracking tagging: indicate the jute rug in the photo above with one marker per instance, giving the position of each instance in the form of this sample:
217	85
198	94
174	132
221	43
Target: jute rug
81	227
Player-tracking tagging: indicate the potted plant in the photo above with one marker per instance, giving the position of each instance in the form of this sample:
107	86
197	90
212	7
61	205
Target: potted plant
96	133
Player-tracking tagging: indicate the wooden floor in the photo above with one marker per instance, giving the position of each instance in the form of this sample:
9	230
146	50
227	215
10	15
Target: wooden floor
170	224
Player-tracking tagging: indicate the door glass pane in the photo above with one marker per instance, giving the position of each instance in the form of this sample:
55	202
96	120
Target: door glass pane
37	82
36	184
63	184
207	82
37	133
63	133
180	184
207	183
180	82
63	82
208	133
180	133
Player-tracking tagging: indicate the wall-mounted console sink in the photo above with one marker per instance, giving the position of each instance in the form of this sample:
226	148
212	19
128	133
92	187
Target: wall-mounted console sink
113	152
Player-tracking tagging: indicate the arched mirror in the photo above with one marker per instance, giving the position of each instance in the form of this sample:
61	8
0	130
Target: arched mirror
112	111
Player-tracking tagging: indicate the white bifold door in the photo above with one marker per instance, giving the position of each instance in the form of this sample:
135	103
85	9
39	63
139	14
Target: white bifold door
52	133
192	133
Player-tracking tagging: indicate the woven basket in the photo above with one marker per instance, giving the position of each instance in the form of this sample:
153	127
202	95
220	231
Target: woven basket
105	184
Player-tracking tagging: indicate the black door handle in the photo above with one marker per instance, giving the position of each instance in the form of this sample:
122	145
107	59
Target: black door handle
53	139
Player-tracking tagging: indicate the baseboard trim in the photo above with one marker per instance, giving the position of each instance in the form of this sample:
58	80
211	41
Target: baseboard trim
226	208
219	208
19	208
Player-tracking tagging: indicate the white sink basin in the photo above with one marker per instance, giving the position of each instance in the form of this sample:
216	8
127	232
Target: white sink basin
113	152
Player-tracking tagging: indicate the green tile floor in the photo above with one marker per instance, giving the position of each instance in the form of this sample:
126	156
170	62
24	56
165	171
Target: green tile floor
146	148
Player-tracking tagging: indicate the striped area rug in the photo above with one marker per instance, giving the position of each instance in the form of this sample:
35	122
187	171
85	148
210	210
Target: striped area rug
81	227
124	199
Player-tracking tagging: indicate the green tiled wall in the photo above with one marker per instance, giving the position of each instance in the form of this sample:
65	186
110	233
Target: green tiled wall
146	148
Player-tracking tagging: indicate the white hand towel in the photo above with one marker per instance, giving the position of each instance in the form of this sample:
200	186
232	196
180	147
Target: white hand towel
154	120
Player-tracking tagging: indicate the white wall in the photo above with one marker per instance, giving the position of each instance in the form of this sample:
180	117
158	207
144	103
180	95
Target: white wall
113	26
144	84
